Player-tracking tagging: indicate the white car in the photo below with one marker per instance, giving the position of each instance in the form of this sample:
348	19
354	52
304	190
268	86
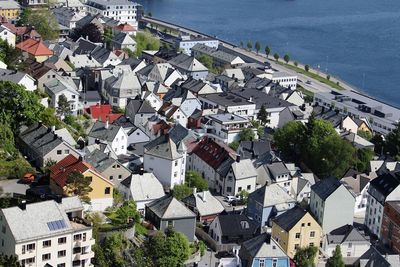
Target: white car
229	199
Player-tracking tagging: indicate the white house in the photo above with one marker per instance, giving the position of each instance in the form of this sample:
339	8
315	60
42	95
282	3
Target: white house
7	35
55	88
110	134
143	189
166	159
185	43
19	78
284	79
48	233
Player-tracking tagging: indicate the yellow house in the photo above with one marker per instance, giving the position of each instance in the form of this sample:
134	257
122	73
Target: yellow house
296	228
10	9
101	195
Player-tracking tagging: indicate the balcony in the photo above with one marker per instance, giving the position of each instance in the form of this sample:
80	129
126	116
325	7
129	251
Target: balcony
83	243
84	256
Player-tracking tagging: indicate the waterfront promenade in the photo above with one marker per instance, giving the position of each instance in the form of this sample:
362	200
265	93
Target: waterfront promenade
314	86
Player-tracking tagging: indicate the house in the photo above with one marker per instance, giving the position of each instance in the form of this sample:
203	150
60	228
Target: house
225	127
284	79
34	49
161	72
125	28
185	43
143	189
18	77
184	99
139	111
204	205
123	41
65	136
173	113
267	202
104	56
101	196
235	74
123	11
232	229
263	250
353	244
119	89
253	149
135	134
10	10
374	258
58	87
166	159
220	58
111	134
390	229
383	188
359	184
109	167
44	233
199	87
275	172
103	113
167	212
67	17
296	228
189	66
59	64
300	188
41	145
7	35
326	196
357	141
88	99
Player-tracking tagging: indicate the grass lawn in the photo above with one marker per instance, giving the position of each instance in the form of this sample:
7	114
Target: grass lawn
313	76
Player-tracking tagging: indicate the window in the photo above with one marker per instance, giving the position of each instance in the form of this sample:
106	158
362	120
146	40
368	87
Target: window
296	246
312	234
308	224
176	163
107	190
303	224
229	189
59	152
3	229
111	177
175	174
77	237
46	257
249	187
30	260
274	263
46	243
66	151
262	263
62	253
240	189
30	246
62	240
61	265
23	249
297	235
170	223
348	254
76	250
119	177
350	245
311	244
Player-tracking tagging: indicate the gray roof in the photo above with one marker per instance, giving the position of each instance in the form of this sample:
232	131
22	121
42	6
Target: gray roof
227	117
253	149
187	63
372	258
169	207
325	187
277	168
218	54
101	54
345	233
125	85
271	195
40	138
138	106
114	2
11	75
243	169
261	246
9	4
99	160
36	221
123	38
163	147
99	131
260	98
145	187
290	218
204	202
90	96
226	99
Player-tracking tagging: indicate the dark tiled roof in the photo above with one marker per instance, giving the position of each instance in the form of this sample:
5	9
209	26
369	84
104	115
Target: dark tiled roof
237	226
385	183
325	187
84	47
260	98
99	131
40	138
138	106
99	160
253	149
169	207
345	233
290	218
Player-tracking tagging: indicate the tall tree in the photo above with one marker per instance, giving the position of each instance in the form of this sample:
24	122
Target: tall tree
64	107
241	44
43	20
180	191
91	31
79	185
262	115
336	260
9	261
194	179
249	45
276	56
126	213
247	134
267	50
392	143
305	257
286	58
257	46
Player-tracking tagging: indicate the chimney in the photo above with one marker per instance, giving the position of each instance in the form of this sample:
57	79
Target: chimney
232	117
53	128
251	99
87	37
194	190
237	158
141	171
203	196
58	199
22	205
107	124
80	158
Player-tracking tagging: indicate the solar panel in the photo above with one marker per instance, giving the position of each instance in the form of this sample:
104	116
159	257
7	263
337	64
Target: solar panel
56	225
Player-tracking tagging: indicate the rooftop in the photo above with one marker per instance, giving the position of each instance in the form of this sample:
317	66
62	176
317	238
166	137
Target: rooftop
226	99
169	207
290	218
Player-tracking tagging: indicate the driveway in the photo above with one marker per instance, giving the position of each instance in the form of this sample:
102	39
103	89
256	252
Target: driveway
12	186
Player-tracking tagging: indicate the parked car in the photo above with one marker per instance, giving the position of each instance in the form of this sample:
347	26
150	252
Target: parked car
308	82
229	199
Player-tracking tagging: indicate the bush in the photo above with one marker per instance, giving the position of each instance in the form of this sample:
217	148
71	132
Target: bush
307	67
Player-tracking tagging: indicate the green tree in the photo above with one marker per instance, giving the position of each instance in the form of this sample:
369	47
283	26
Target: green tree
234	145
118	197
9	261
257	46
262	115
379	143
108	35
286	58
206	60
247	134
79	185
288	140
244	195
125	214
305	257
328	77
146	41
18	106
43	20
141	258
365	134
241	44
392	143
9	54
181	191
276	56
92	32
194	179
295	63
48	117
336	260
7	145
307	67
249	45
64	107
113	247
267	50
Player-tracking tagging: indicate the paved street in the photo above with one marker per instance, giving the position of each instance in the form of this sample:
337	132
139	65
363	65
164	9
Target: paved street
208	260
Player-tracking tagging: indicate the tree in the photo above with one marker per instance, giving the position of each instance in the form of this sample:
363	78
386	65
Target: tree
257	46
125	214
392	143
108	35
113	247
241	44
146	41
90	31
267	50
194	179
9	261
149	14
181	191
48	117
379	143
206	60
9	55
234	145
118	197
336	260
295	63
64	107
249	45
305	257
7	145
262	115
78	185
286	58
247	134
244	195
328	77
307	68
276	56
365	134
288	140
43	20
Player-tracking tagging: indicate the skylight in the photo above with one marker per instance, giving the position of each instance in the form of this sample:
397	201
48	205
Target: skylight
56	225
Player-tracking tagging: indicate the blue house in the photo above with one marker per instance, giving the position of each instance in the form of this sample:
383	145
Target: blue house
267	202
263	251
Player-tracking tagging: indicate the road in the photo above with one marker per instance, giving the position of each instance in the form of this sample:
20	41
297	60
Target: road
315	86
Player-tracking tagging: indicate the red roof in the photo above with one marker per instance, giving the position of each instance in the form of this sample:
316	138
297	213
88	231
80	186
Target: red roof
103	113
34	47
60	171
125	28
211	152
